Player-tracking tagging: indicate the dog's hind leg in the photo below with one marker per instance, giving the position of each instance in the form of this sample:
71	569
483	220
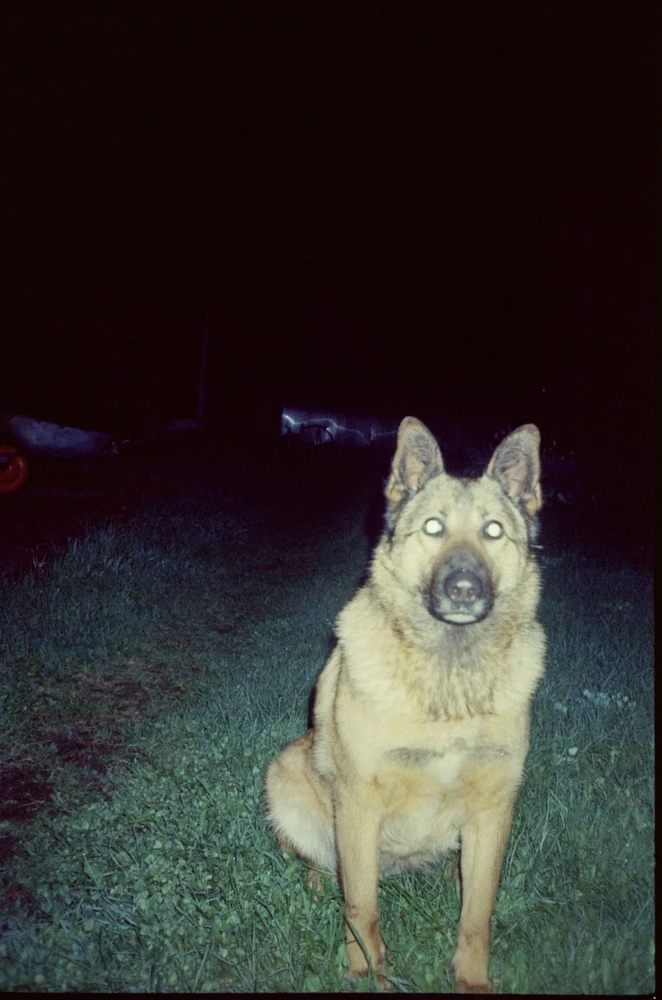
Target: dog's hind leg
299	807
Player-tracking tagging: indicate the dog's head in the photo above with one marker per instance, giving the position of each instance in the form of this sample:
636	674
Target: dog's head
464	541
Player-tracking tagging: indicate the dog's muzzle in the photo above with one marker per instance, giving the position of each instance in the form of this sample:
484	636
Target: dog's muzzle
460	591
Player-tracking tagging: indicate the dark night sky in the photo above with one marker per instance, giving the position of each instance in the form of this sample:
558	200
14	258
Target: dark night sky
404	208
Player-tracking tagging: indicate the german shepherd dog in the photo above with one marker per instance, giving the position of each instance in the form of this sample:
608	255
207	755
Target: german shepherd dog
421	716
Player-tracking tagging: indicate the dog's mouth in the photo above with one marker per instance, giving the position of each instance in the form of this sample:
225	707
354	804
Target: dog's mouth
459	617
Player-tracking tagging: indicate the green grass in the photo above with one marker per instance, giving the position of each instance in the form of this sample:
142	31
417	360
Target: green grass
151	673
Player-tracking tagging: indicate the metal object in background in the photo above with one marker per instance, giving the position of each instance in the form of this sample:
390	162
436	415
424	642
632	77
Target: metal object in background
45	438
318	427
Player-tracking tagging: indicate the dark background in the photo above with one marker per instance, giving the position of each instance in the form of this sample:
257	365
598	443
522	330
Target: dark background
439	209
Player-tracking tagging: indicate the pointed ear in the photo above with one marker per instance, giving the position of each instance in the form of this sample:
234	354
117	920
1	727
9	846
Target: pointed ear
417	458
516	465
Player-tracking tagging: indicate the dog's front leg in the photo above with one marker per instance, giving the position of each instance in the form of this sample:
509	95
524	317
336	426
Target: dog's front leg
357	831
484	839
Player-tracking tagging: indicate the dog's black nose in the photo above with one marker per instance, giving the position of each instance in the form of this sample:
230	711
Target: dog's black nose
463	587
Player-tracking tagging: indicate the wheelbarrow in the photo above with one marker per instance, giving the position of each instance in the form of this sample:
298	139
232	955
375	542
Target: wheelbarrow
41	437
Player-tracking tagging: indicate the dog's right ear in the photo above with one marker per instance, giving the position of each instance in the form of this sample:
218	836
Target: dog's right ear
417	458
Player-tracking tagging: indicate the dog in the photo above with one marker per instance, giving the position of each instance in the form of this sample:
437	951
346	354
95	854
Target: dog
422	711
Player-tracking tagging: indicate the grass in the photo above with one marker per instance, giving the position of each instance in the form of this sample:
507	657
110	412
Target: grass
149	675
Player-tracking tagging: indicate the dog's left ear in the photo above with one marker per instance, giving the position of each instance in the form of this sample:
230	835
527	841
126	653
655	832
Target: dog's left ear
516	466
417	458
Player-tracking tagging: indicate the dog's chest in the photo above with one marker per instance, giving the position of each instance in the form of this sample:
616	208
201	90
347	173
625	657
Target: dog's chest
445	767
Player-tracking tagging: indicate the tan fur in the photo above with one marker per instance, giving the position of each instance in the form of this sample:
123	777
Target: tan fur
421	718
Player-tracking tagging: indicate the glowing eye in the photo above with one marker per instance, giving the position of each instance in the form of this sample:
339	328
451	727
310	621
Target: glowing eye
493	529
433	526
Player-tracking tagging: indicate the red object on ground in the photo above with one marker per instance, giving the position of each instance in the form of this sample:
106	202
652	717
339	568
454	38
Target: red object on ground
13	470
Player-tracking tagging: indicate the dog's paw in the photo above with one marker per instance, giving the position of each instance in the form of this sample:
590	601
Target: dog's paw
383	983
462	986
315	880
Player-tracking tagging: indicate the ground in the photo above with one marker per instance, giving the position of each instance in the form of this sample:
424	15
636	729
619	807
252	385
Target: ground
60	501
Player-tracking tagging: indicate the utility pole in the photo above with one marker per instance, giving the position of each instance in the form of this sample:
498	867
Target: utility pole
204	346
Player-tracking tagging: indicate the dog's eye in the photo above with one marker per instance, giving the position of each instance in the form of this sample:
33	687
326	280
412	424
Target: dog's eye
493	529
433	526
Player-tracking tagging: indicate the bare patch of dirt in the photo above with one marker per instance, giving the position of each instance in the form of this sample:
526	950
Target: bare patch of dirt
24	790
81	747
